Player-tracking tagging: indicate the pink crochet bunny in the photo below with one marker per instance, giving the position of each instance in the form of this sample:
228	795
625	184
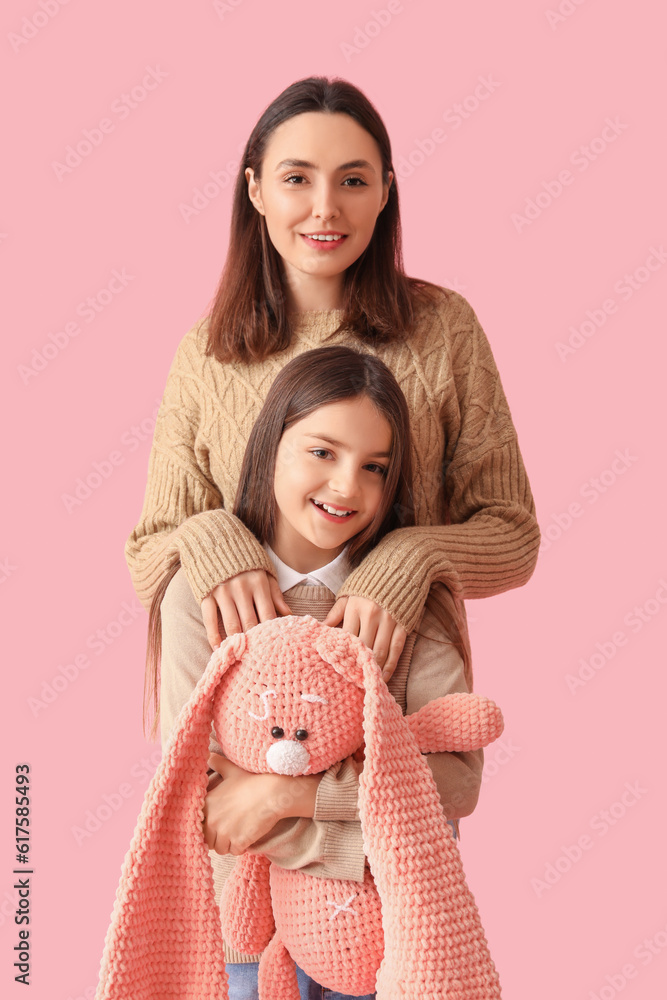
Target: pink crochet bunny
411	930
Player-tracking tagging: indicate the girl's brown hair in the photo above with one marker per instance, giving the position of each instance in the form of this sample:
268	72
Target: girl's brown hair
249	317
309	381
313	379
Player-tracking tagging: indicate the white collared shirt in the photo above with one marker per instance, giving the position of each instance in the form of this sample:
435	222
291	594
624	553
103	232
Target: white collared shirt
333	575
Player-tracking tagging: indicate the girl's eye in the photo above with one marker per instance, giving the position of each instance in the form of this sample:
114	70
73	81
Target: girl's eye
380	469
320	452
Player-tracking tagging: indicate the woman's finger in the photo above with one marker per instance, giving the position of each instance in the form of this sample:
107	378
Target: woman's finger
365	619
396	644
209	613
230	619
382	642
279	602
337	613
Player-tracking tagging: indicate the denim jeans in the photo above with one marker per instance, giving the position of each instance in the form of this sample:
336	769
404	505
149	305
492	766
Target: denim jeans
243	984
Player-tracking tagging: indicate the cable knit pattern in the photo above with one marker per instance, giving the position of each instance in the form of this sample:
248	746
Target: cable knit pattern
411	930
475	531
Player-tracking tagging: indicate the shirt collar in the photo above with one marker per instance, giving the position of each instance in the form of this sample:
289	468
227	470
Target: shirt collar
332	576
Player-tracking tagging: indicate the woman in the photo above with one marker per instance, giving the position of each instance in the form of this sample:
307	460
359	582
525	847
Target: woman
315	257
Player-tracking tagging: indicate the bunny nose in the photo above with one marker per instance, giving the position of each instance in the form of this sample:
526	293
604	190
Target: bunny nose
287	757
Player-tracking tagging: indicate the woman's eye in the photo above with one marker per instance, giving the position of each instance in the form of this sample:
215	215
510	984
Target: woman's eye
320	452
380	469
356	181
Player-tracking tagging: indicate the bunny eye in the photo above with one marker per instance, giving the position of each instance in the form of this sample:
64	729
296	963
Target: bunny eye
277	732
301	734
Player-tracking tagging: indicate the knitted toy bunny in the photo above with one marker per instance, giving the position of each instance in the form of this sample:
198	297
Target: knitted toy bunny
294	696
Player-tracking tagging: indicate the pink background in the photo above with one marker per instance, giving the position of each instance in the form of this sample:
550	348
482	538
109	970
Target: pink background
562	920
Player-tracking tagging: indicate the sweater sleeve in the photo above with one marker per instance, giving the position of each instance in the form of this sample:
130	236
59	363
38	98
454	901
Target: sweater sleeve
491	542
183	513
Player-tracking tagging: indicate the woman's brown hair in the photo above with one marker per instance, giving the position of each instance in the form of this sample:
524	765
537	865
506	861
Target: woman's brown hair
249	318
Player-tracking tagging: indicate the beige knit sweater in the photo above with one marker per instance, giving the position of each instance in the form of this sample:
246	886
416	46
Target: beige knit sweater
466	458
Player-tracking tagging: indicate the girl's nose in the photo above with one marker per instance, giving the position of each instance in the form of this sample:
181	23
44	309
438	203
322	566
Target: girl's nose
345	483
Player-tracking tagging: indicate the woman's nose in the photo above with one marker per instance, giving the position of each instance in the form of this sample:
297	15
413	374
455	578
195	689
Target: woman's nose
324	203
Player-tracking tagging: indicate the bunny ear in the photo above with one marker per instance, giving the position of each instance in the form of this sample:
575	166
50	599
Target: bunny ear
343	652
434	941
164	938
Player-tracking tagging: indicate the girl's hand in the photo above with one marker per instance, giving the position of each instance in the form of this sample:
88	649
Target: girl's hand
244	807
374	626
244	600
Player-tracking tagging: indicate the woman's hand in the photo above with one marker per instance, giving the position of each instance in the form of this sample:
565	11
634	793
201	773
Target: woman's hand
244	807
374	626
244	600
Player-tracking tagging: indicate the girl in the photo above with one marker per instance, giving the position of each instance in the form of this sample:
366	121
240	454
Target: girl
326	474
314	257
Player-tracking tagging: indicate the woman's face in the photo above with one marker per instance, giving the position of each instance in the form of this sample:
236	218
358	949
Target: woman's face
321	174
335	457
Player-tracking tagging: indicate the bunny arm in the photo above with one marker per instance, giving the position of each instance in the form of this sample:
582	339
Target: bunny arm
456	722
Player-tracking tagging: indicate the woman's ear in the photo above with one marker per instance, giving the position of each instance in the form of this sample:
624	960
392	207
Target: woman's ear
254	190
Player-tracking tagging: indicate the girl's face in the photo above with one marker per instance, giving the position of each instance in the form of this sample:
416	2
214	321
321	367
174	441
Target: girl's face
321	173
336	457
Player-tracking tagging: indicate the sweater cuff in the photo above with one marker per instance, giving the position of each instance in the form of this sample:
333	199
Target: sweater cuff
338	792
345	843
398	574
215	546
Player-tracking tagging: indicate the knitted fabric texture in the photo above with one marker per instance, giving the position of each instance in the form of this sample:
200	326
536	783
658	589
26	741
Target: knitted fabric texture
466	458
411	930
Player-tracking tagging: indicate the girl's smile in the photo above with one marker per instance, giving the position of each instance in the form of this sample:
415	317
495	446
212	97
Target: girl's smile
329	480
321	191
